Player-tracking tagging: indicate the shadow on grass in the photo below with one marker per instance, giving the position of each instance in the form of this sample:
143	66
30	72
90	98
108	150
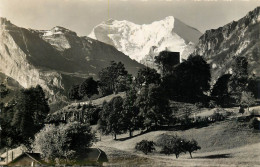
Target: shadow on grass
126	138
183	127
215	156
166	128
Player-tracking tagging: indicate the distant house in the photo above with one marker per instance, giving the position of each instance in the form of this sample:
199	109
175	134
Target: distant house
170	59
9	155
24	159
27	159
93	157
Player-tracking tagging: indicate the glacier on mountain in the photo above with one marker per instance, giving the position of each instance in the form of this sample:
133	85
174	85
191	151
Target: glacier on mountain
143	42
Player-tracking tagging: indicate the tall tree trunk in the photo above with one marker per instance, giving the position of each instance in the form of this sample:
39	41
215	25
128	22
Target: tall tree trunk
115	136
190	154
130	133
156	125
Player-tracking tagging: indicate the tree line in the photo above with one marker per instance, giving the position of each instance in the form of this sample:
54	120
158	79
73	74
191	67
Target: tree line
146	104
188	81
23	116
169	144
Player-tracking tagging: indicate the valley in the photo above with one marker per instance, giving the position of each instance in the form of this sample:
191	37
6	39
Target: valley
131	93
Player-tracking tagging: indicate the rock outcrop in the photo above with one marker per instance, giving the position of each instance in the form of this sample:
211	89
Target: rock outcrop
54	59
238	38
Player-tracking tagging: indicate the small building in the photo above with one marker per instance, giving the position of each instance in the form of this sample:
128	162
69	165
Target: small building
27	159
9	155
23	159
93	157
172	57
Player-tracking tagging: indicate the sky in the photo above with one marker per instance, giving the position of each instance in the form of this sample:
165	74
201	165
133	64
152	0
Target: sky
82	16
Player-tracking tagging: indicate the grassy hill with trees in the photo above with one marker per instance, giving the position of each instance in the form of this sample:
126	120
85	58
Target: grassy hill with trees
226	143
175	112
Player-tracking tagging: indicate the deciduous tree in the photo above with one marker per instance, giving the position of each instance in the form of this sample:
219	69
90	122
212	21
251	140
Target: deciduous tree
65	142
220	90
247	99
145	146
110	121
88	88
74	93
153	106
189	80
166	61
147	76
25	116
109	77
130	118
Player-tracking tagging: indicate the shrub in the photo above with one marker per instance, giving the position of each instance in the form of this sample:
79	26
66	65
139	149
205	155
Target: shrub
3	90
217	116
229	113
186	121
145	146
247	99
212	104
254	123
91	115
199	105
78	106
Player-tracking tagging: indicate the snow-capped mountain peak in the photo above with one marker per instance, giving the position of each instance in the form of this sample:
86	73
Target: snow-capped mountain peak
136	40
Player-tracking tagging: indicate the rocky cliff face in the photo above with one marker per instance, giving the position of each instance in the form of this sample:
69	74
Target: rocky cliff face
238	38
55	59
143	42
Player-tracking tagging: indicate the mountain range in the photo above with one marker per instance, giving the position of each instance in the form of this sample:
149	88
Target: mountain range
143	42
220	46
55	59
59	58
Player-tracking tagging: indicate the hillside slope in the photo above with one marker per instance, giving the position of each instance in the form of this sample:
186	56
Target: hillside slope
223	143
12	87
238	38
54	59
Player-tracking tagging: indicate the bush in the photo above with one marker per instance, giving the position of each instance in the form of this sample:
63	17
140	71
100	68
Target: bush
212	104
85	114
254	123
199	105
186	122
145	146
3	90
91	115
217	116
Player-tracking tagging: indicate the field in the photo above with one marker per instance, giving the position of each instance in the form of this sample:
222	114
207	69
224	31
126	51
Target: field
225	143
